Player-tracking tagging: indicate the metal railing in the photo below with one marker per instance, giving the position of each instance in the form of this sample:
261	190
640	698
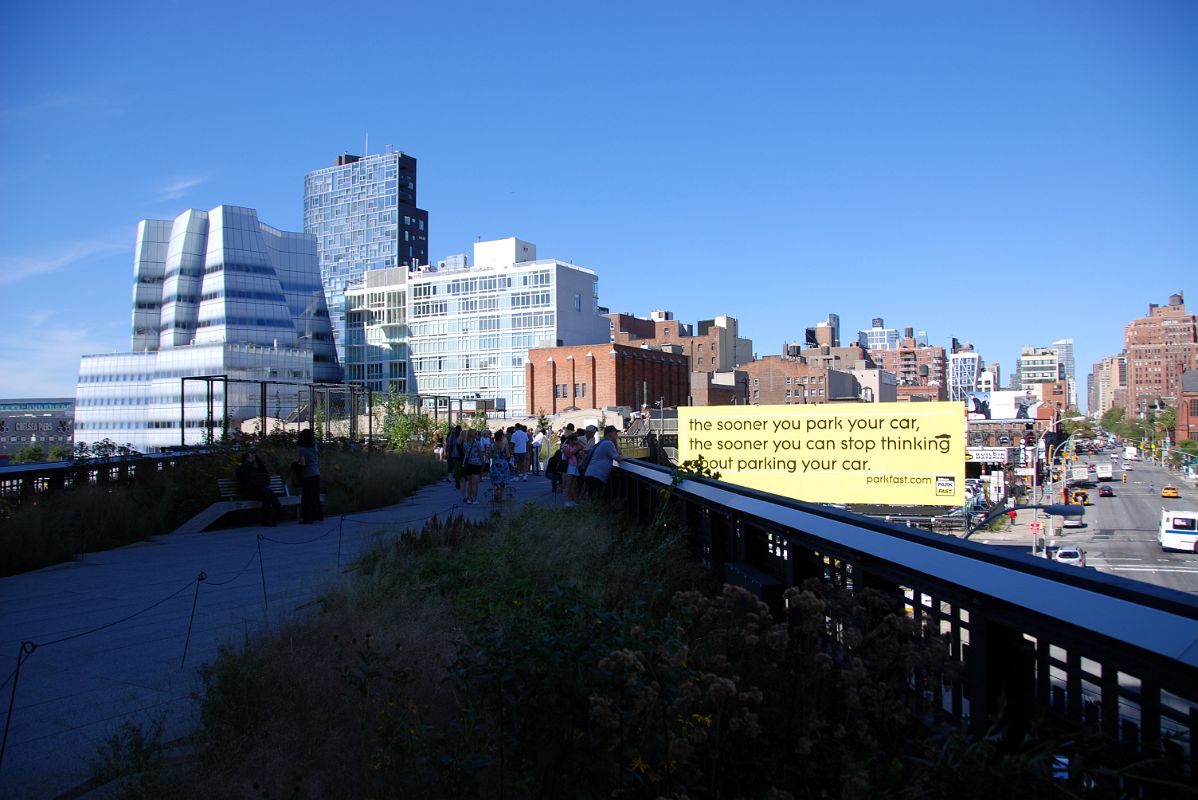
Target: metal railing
1092	650
26	481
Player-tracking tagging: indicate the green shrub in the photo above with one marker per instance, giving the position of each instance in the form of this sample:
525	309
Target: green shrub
58	526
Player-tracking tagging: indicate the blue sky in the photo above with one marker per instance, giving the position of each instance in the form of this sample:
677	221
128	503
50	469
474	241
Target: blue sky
1008	173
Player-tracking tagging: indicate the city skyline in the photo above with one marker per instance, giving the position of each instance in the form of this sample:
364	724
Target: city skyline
1006	176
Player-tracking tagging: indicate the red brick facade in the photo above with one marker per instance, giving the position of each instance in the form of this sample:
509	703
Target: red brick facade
603	375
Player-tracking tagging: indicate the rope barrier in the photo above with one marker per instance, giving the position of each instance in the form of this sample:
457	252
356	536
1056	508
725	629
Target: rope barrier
28	648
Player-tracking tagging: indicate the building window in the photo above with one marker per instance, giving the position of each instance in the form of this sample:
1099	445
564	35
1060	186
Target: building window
578	302
757	381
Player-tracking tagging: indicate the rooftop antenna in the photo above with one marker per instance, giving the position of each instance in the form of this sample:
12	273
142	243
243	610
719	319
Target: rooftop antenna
366	148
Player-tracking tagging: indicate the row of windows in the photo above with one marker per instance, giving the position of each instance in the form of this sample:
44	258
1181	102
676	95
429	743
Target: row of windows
470	362
238	294
139	425
561	391
252	322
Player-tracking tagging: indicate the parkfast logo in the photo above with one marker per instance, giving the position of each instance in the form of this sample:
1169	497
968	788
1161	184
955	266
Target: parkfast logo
946	485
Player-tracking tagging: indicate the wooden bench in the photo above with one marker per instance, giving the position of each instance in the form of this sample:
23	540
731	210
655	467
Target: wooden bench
230	493
231	501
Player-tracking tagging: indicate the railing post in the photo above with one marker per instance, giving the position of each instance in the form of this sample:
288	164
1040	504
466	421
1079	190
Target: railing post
1000	674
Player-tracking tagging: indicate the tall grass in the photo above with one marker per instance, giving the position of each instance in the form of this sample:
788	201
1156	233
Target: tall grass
569	653
59	526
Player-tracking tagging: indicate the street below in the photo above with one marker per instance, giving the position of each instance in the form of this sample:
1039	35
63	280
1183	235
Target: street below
1120	532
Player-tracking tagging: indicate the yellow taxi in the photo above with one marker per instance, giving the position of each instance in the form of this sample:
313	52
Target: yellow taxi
1169	491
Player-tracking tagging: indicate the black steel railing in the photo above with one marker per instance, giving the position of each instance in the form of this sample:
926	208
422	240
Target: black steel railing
1093	650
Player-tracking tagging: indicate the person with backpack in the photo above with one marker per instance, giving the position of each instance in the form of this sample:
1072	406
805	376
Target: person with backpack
555	470
472	466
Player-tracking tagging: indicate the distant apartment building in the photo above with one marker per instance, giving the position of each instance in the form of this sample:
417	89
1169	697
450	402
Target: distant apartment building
1110	384
853	356
723	387
1064	350
604	375
914	362
714	344
879	337
825	333
1039	365
47	422
911	392
1159	348
877	385
470	326
362	211
215	293
377	350
781	380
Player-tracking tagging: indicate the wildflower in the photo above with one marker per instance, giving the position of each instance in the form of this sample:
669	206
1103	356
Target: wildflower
640	765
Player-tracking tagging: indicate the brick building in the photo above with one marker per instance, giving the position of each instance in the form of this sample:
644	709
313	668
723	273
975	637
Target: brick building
778	380
717	344
914	363
1159	348
1187	408
604	375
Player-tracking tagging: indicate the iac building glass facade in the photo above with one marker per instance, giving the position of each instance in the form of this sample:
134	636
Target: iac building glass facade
362	211
214	293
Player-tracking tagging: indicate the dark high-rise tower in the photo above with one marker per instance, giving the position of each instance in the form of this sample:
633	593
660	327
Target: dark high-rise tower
362	211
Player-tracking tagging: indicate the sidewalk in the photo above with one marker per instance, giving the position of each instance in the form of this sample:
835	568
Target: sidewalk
111	629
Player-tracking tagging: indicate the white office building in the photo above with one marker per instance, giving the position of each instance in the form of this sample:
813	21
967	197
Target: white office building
215	293
469	326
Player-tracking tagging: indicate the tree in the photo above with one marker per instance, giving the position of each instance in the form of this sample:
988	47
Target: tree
1111	418
1166	422
82	451
105	448
29	454
476	421
61	452
542	420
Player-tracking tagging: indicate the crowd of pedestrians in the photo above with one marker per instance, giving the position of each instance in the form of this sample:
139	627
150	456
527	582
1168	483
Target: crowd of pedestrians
581	464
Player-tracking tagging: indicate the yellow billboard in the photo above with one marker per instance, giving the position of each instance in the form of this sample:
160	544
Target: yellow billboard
883	453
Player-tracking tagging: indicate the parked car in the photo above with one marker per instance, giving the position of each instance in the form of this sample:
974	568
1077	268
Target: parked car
1071	555
1073	522
1106	491
1169	491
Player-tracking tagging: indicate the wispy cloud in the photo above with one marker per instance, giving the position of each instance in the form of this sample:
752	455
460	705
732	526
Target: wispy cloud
177	188
17	268
47	364
59	101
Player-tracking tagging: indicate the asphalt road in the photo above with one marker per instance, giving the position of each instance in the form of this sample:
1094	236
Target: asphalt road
1120	532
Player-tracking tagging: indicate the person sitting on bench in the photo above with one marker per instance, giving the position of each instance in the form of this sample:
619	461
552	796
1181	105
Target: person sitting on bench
253	483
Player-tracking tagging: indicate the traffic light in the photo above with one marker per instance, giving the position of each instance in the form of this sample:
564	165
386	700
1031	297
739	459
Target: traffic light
1125	477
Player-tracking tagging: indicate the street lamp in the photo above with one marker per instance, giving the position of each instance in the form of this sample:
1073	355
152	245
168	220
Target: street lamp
1049	454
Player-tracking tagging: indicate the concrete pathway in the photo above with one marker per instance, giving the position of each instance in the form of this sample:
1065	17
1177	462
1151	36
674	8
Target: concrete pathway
110	629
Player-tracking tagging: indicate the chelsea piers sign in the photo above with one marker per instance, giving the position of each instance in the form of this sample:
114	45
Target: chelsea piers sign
883	453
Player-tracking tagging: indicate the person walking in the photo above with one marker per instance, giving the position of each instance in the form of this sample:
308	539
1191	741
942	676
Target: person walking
453	457
487	443
520	451
605	455
538	440
310	509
